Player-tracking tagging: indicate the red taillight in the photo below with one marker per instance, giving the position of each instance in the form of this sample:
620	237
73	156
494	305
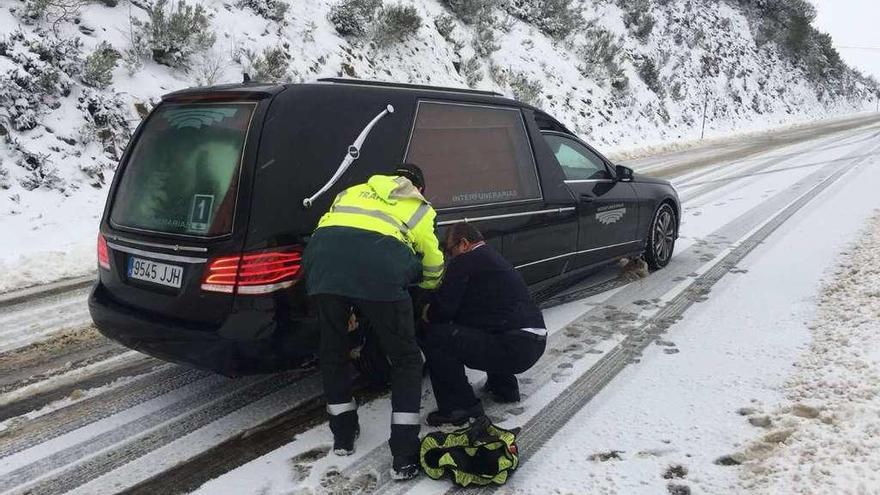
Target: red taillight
255	273
103	253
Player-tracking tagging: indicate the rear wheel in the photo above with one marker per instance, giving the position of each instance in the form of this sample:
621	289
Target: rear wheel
661	237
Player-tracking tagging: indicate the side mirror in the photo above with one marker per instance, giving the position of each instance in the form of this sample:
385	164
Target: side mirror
623	173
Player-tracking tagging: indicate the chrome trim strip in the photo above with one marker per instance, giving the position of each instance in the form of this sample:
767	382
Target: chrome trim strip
540	332
487	205
352	154
506	215
586	181
576	253
158	256
176	247
566	255
264	289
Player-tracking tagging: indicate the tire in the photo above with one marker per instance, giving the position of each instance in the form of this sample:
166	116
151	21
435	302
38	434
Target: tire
661	237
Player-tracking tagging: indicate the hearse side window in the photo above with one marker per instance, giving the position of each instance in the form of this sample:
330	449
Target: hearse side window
473	155
577	161
182	177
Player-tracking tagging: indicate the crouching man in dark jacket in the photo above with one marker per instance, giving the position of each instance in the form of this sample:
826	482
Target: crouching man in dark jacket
482	317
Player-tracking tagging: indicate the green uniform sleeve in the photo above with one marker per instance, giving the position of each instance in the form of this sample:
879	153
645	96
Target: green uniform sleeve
425	243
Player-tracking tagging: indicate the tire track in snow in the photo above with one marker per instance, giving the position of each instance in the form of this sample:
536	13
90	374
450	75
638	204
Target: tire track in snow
101	454
43	360
27	322
168	378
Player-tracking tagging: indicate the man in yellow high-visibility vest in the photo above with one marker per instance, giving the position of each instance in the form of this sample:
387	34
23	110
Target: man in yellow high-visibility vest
375	241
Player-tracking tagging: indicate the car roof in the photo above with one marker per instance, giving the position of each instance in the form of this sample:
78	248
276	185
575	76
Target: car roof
255	90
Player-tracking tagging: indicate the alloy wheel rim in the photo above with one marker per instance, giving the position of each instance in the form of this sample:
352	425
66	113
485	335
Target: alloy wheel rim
664	235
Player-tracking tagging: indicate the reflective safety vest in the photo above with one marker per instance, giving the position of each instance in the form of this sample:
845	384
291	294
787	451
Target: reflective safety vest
487	457
391	206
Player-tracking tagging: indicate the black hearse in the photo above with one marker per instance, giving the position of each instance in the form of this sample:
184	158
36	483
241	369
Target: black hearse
201	239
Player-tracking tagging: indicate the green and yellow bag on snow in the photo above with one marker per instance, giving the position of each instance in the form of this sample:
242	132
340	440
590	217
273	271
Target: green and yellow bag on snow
478	455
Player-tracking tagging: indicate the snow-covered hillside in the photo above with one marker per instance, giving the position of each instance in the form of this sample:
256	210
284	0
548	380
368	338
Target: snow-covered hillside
76	76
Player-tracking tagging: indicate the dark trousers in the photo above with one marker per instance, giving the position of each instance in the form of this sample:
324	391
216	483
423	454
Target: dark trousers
449	348
393	323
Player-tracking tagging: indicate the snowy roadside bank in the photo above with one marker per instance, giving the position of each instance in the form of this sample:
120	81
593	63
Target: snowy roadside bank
825	437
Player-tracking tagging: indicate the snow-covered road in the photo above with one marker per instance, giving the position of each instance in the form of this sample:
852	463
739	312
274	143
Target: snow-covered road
641	383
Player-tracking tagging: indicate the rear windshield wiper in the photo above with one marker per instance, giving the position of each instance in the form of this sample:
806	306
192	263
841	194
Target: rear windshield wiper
353	153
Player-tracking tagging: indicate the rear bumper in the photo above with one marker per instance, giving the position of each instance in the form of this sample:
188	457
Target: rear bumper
281	344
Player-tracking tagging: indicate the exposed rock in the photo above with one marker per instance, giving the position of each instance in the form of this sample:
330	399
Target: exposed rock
760	421
675	471
804	411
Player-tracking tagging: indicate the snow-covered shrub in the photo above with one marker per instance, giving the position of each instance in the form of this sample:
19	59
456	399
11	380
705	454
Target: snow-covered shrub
173	34
676	91
647	69
271	65
209	67
98	69
106	121
554	17
40	171
4	177
620	82
273	10
445	25
600	54
353	17
54	11
473	11
499	74
525	89
485	43
396	23
637	17
43	68
472	71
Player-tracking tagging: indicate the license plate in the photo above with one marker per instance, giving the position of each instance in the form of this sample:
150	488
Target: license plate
157	273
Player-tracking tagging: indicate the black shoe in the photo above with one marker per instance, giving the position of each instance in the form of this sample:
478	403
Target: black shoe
345	446
404	468
456	417
502	395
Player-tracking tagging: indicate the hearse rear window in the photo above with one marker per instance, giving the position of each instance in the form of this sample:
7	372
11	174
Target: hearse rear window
472	155
182	177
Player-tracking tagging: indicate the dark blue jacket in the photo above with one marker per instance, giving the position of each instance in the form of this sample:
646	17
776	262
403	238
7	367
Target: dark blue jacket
482	290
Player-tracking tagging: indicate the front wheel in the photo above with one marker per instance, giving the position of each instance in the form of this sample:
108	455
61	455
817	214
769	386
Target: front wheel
661	237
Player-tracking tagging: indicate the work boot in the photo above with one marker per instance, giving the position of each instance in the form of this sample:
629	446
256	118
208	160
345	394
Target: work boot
503	389
344	446
404	467
456	417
